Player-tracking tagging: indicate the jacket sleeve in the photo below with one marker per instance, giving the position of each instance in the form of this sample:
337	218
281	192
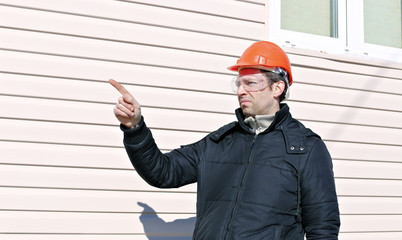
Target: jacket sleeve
169	170
320	213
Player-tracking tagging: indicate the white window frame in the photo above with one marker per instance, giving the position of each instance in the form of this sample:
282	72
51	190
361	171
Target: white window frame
305	40
350	39
356	44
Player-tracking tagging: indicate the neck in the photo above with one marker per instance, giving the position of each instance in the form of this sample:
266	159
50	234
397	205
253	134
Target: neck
269	111
274	109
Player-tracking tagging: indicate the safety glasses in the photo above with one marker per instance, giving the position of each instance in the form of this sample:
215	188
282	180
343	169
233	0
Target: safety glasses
250	83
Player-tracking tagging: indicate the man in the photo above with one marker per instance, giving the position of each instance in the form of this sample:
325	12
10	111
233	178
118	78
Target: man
264	176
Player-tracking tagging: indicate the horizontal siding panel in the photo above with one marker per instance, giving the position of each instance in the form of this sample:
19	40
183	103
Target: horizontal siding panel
19	130
343	66
103	92
92	70
78	134
159	16
345	115
83	237
93	113
358	134
371	223
26	153
337	78
57	110
368	187
371	236
82	223
32	20
232	9
370	205
369	152
96	201
345	97
76	178
111	51
366	169
260	2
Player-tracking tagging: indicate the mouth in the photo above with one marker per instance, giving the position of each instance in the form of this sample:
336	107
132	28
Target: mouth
244	101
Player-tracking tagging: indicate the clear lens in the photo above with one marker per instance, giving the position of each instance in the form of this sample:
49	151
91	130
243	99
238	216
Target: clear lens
251	83
235	85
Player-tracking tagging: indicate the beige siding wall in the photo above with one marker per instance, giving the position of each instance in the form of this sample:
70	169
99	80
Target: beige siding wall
64	172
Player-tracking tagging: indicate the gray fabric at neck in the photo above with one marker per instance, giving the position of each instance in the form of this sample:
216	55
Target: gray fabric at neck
260	123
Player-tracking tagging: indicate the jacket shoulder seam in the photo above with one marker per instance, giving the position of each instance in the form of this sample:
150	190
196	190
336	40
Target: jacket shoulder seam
217	135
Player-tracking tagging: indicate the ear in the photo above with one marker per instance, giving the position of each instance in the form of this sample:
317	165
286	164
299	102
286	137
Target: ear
278	88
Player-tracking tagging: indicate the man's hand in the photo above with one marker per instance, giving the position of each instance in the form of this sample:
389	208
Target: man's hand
127	109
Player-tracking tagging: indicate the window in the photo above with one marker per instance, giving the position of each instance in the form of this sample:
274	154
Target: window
383	23
299	16
362	27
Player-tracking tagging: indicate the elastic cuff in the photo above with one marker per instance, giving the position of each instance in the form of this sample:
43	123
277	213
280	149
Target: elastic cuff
135	135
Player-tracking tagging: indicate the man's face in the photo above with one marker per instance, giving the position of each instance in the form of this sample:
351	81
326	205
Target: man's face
258	101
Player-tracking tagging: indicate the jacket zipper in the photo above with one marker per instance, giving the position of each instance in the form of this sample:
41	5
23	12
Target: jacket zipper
240	192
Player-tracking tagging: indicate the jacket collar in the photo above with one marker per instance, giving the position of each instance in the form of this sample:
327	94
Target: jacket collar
294	132
280	116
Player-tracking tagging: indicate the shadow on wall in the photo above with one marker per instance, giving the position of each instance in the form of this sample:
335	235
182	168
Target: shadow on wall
157	229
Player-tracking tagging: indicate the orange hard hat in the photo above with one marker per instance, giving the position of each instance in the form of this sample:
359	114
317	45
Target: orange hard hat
264	55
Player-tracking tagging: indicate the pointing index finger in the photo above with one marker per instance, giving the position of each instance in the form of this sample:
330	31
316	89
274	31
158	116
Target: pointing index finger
118	86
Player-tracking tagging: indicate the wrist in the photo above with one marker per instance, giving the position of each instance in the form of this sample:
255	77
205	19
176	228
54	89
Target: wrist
135	124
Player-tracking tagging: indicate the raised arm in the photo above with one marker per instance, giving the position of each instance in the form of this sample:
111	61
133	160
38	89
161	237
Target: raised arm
173	169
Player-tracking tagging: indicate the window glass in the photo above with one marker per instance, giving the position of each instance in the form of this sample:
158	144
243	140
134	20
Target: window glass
383	22
310	16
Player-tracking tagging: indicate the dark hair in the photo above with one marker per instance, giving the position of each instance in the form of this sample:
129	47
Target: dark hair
275	77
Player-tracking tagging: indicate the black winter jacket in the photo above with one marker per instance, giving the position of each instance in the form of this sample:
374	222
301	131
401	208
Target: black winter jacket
275	185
